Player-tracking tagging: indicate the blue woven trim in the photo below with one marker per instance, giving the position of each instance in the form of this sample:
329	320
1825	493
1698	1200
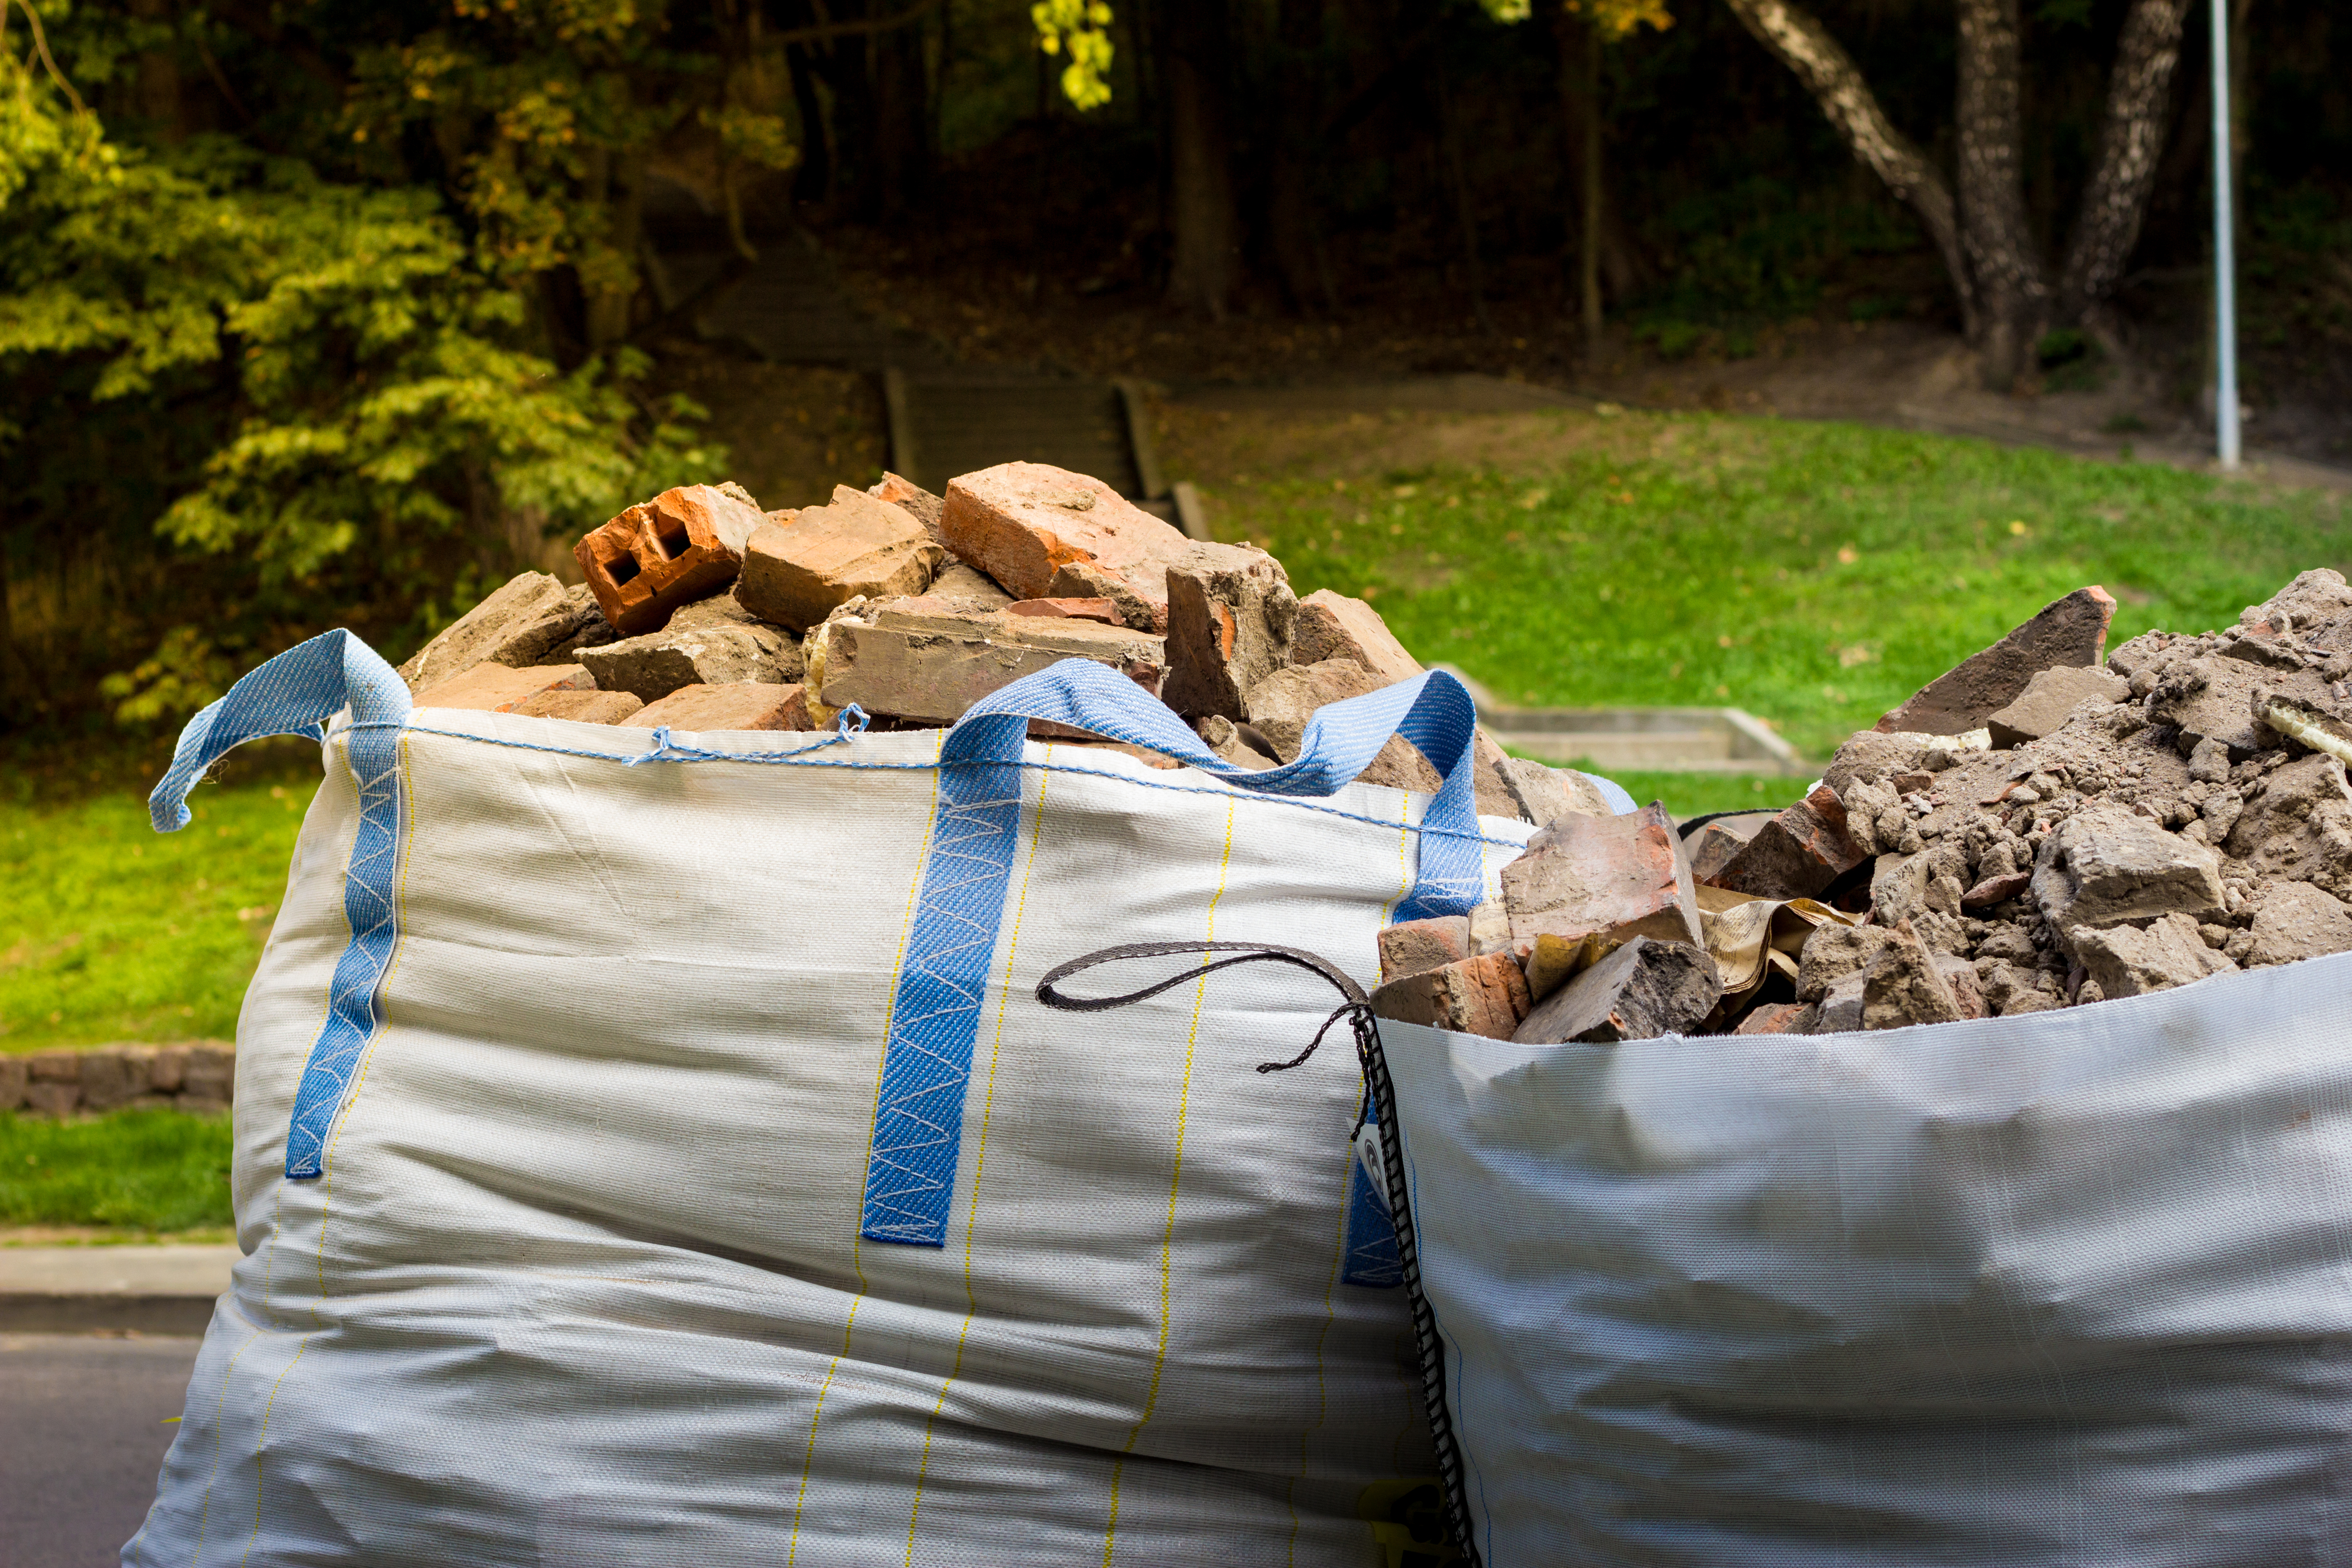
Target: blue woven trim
354	997
297	693
1373	1258
935	1019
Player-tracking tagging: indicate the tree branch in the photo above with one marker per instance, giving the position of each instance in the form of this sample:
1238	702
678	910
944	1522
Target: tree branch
2130	143
824	30
1799	42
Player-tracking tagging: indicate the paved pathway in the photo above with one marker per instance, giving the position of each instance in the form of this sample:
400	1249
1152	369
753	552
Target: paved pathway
84	1422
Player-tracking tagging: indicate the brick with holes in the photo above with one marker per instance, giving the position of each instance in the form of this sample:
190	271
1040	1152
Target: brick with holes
684	544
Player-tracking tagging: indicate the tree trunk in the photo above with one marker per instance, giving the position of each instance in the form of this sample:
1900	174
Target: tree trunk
2131	142
1207	261
1466	211
155	80
2012	291
1291	228
812	180
1799	42
902	114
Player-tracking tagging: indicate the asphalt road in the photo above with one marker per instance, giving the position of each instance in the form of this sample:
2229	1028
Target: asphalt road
83	1427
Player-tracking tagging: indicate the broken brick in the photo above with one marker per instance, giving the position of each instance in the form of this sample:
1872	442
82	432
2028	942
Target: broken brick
1994	890
1280	706
739	706
929	659
715	642
1715	844
1333	625
684	544
1542	792
1045	533
1100	610
1414	947
1236	744
581	707
2068	631
497	688
1779	1018
1798	854
855	546
912	499
518	625
1485	997
957	581
2049	698
1229	627
1644	989
1613	877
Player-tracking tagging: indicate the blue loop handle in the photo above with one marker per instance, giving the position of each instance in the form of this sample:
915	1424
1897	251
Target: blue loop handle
294	694
1433	710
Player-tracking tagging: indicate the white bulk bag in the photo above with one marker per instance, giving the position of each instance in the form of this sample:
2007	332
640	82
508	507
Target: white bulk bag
2068	1288
650	1148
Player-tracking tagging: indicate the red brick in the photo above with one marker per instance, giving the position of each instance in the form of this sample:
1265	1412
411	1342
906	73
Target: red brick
1333	625
583	707
496	689
684	544
1798	854
1047	533
795	574
1416	947
918	503
1614	877
1485	997
1777	1018
745	705
1101	610
1229	626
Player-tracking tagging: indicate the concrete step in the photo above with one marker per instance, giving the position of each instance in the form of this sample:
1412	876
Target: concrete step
167	1288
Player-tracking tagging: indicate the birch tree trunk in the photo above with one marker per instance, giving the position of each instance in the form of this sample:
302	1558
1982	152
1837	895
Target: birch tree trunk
2131	140
2012	290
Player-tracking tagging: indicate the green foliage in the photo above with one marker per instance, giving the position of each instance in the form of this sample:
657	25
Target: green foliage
113	932
1079	28
134	1171
1815	575
390	406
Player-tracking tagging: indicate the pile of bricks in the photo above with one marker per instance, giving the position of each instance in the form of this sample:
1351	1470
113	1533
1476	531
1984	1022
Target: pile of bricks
701	612
2039	828
199	1078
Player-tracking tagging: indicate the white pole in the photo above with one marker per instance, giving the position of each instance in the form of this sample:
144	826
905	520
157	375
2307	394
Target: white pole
2225	255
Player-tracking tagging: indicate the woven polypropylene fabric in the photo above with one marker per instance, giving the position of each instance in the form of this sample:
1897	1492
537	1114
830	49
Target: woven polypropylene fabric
581	1278
2069	1288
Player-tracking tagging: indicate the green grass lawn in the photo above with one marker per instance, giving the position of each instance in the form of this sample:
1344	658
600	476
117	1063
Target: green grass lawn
113	932
135	1172
1814	575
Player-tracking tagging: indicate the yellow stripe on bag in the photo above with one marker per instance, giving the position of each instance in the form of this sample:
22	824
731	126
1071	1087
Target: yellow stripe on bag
1175	1181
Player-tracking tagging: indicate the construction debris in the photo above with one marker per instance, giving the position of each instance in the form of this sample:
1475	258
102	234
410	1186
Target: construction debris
684	544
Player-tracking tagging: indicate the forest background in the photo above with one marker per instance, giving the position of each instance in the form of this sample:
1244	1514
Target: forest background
321	315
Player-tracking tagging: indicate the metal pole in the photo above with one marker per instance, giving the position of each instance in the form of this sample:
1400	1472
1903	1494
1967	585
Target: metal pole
2225	255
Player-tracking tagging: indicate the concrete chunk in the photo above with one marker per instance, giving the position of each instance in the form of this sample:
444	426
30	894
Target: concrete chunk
1542	794
1236	744
1779	1019
2106	864
2126	961
795	574
929	659
1612	877
1229	627
1485	997
2068	631
1717	844
2295	920
684	544
716	642
737	706
496	688
1904	985
1798	854
2049	698
1836	952
1333	625
1644	989
1415	947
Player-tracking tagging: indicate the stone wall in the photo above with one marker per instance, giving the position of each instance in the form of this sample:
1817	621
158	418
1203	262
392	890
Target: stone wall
198	1076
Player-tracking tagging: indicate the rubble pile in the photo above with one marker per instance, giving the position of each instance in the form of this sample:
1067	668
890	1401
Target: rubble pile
700	611
2040	827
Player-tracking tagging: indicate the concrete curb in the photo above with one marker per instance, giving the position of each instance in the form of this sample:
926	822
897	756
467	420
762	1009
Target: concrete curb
163	1290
